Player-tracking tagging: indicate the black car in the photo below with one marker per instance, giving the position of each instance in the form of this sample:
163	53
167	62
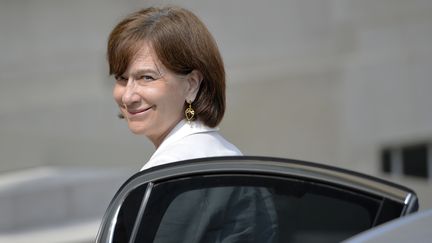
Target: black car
250	199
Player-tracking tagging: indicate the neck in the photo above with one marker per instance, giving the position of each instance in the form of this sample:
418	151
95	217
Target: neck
158	140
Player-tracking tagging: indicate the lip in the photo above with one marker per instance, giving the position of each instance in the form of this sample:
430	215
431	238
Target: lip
138	111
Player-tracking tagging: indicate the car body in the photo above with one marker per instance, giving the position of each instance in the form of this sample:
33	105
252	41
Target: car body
412	228
250	199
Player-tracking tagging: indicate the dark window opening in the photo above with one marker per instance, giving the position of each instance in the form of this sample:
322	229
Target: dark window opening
415	160
408	160
386	161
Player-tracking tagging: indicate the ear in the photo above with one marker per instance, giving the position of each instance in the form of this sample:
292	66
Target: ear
194	79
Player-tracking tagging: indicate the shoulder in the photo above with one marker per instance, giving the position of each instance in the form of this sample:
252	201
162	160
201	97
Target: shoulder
198	145
208	144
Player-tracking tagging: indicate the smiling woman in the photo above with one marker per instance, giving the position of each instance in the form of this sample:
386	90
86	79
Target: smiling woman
170	83
170	87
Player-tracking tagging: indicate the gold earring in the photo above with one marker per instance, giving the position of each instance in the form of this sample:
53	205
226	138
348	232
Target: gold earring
189	112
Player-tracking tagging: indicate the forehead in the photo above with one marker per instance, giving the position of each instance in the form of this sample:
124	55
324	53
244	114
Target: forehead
144	58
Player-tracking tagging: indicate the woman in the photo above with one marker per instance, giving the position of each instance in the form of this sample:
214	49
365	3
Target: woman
170	83
170	87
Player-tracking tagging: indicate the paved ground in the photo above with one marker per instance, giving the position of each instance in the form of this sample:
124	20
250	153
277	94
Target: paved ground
56	204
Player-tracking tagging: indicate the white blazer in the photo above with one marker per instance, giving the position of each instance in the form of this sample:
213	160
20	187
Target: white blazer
190	141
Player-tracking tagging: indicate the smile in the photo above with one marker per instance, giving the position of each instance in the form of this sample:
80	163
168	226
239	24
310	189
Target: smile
137	112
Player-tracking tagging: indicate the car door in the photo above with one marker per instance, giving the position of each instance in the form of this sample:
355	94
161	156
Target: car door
250	199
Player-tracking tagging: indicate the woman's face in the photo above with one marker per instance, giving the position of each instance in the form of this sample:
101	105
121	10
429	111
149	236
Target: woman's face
151	97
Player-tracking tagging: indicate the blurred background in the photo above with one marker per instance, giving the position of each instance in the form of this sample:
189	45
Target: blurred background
340	82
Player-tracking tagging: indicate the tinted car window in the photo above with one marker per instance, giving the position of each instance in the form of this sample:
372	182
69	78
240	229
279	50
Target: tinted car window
242	208
127	215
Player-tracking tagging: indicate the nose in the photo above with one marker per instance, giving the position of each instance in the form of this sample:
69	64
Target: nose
130	96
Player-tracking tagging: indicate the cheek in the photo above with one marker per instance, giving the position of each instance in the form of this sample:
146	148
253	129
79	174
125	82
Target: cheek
118	93
176	98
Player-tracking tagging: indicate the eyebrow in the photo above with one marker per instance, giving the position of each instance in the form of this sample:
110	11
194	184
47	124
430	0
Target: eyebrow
144	71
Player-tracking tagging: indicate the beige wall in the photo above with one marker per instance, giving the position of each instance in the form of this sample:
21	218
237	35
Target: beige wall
327	81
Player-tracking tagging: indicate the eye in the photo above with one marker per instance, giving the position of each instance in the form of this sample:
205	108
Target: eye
121	79
147	78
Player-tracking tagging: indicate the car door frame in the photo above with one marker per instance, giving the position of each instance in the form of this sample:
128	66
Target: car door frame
259	165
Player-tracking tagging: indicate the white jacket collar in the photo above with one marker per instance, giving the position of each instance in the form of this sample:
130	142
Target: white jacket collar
181	130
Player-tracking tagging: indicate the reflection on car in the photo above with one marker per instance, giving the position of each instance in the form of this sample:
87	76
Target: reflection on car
412	228
250	199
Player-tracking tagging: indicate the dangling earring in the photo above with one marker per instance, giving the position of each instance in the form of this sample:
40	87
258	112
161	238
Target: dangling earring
189	112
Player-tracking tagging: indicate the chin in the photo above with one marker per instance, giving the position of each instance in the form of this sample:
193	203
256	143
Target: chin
136	130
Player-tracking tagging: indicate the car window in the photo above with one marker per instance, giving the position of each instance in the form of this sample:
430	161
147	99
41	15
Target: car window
128	214
245	208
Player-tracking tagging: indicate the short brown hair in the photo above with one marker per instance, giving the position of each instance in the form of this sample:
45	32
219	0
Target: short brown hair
182	43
